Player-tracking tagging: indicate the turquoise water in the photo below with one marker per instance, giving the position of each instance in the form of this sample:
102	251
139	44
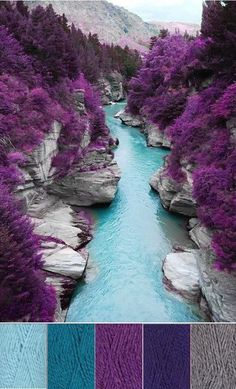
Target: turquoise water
132	237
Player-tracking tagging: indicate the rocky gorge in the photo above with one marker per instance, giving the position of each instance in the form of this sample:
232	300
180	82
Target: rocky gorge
189	272
55	206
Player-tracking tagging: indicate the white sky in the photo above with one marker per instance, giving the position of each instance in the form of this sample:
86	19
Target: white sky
166	10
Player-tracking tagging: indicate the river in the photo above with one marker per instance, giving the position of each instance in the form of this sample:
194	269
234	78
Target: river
132	237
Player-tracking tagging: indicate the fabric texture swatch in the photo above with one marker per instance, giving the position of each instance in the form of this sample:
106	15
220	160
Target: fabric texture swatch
70	356
118	356
23	356
213	356
166	356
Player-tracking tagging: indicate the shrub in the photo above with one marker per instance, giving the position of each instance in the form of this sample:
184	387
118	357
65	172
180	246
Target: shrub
24	295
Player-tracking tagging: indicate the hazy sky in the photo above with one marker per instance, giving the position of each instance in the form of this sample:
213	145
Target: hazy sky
168	10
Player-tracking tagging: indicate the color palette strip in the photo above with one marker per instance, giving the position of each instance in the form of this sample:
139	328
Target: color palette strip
117	356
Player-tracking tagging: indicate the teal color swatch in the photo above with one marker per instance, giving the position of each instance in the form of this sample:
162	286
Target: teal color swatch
23	356
70	356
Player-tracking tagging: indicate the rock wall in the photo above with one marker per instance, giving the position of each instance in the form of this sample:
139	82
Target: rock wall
174	197
47	199
155	137
191	273
111	88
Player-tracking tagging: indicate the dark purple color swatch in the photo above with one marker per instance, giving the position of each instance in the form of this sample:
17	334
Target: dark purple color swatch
166	356
119	356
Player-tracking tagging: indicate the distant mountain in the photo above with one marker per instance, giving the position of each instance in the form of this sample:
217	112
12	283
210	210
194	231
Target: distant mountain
113	24
191	28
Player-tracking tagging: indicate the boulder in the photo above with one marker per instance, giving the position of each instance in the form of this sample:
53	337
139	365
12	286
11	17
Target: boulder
63	232
89	187
128	119
174	197
64	261
181	274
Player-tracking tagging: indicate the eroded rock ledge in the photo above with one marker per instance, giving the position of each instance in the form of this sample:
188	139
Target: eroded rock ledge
191	273
155	137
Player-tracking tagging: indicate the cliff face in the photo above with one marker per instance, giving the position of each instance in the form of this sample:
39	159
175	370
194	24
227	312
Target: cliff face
111	88
47	199
113	24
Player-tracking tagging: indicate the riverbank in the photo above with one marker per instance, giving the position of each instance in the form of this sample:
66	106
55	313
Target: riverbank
188	272
56	204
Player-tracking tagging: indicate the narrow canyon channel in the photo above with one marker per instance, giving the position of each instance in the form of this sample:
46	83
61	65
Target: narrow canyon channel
132	237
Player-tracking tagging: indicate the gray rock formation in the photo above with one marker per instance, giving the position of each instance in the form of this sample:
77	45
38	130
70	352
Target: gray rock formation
181	270
128	119
63	236
174	197
218	288
181	274
39	164
155	137
88	188
191	274
111	88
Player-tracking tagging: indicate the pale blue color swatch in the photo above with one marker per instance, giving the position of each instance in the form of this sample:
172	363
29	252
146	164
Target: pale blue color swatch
23	357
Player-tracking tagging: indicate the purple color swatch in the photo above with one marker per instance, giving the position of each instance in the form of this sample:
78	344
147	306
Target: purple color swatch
166	356
119	356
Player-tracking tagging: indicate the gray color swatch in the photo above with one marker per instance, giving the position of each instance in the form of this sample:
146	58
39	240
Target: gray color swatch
213	356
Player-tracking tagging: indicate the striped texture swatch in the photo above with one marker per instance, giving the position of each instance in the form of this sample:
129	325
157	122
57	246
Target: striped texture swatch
23	356
166	356
213	356
118	356
71	356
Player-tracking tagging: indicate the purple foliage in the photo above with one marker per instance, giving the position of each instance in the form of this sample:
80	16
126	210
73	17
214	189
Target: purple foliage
160	79
25	114
188	88
24	295
41	60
